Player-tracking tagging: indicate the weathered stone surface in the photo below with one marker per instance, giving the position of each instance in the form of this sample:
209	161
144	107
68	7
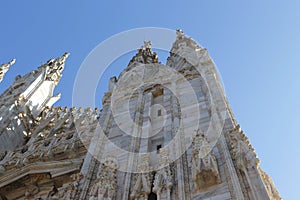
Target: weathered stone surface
56	153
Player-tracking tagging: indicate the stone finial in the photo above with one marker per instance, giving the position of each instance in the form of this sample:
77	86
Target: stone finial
4	68
183	41
179	33
55	68
66	55
145	54
12	61
63	59
147	45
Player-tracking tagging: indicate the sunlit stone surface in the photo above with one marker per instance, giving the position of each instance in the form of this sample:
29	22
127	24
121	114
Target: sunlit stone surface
47	152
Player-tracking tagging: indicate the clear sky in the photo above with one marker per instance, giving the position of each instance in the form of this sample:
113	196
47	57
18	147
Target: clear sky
255	45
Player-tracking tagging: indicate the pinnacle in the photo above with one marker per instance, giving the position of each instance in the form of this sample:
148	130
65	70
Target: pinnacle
55	67
4	68
179	33
12	61
183	40
145	54
147	45
65	56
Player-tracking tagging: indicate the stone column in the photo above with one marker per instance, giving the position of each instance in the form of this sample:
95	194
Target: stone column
89	167
179	145
136	130
146	124
217	100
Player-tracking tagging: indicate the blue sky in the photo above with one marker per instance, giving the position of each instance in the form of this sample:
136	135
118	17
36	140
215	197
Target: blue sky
255	45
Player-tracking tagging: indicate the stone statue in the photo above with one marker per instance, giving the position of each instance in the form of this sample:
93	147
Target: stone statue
203	164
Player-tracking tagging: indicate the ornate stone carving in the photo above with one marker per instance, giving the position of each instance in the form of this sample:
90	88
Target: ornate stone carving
141	186
203	164
54	141
242	150
67	191
55	67
31	190
105	187
183	41
145	55
163	178
269	184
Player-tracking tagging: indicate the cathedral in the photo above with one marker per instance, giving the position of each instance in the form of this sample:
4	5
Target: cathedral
165	132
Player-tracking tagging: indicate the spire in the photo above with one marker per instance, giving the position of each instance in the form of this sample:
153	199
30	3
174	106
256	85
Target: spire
184	52
54	68
4	68
145	54
183	41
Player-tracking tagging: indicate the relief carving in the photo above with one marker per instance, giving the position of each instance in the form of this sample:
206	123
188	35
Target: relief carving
67	191
203	164
242	150
141	186
105	187
163	178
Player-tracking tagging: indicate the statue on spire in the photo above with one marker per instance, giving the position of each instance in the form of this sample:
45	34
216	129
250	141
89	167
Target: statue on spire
145	54
147	45
179	33
4	68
